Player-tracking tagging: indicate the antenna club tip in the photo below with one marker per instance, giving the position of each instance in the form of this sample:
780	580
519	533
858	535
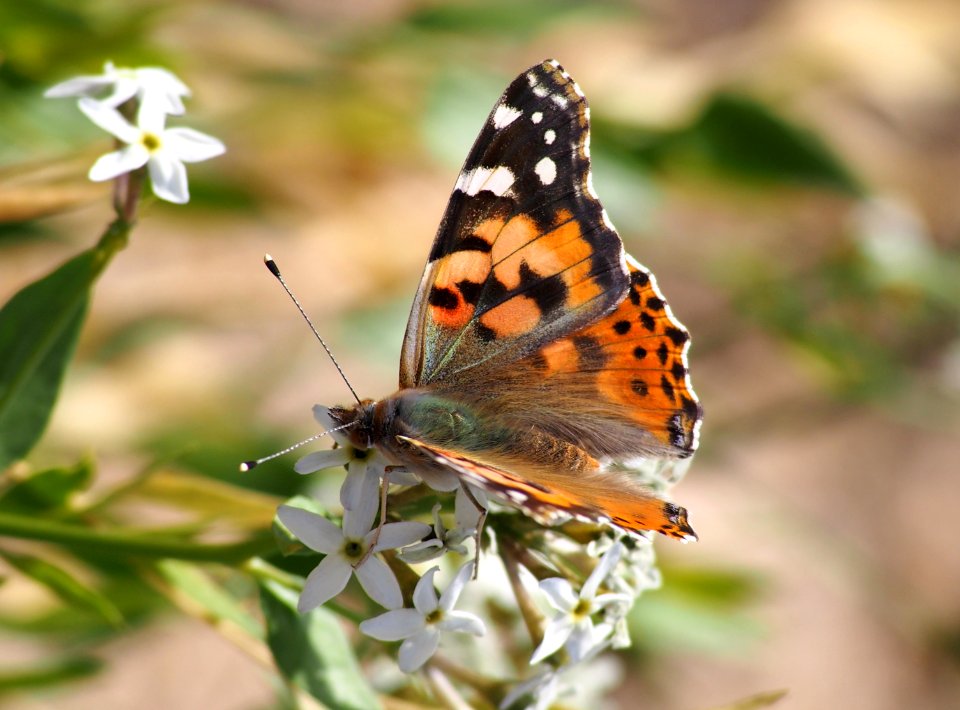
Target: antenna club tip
247	465
271	265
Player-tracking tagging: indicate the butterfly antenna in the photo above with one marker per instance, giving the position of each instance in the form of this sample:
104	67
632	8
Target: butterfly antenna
275	270
248	465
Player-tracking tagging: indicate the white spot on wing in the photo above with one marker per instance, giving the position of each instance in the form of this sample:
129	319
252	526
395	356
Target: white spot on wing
550	136
497	180
504	115
546	170
540	90
559	100
536	116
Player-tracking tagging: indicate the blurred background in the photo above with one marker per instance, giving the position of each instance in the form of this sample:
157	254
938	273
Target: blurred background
789	169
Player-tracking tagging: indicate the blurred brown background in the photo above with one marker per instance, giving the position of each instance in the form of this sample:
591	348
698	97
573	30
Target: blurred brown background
790	170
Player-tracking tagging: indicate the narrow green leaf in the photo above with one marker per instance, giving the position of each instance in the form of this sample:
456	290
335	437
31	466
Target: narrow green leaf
39	327
49	489
197	585
59	671
64	585
312	651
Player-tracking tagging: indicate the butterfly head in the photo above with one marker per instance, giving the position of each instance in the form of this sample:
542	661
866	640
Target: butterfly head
359	422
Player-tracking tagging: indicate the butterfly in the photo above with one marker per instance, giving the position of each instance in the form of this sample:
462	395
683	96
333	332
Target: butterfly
539	358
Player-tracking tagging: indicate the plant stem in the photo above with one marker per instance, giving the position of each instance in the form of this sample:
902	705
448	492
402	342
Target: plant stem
528	609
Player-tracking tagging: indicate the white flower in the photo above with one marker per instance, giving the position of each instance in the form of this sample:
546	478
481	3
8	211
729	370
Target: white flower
153	83
572	626
541	688
162	150
364	466
344	548
420	627
444	540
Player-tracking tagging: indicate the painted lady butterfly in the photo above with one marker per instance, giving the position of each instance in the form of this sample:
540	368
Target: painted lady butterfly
539	358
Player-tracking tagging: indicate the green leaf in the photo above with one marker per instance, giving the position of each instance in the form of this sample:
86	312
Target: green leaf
734	137
64	585
197	585
47	490
59	671
744	138
39	327
312	651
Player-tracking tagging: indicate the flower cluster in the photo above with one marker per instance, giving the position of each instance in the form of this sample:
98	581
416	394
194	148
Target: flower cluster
148	95
577	591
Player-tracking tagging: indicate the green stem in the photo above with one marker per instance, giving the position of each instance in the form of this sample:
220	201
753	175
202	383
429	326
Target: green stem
133	541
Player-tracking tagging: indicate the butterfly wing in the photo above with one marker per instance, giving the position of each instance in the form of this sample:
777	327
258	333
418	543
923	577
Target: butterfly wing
546	496
525	252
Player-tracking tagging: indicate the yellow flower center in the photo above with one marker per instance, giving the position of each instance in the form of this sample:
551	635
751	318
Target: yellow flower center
583	609
353	549
150	141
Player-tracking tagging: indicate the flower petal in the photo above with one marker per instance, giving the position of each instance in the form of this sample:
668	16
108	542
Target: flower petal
323	418
444	481
402	534
462	621
559	594
450	595
379	582
361	482
424	595
314	531
604	600
465	510
580	640
603	568
555	635
393	625
78	86
325	582
319	460
110	120
168	178
125	160
541	687
422	552
192	146
416	650
152	117
358	520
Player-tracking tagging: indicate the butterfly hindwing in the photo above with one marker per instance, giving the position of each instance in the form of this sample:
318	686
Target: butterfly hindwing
525	252
549	496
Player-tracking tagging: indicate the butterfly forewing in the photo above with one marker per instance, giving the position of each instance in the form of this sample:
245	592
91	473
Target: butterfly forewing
540	361
525	253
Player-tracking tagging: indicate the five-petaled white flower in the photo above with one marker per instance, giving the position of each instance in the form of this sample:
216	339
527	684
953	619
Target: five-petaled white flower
572	626
363	465
344	550
420	627
162	150
468	510
118	85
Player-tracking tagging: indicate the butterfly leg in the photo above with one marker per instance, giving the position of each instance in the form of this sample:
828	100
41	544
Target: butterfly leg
384	488
478	535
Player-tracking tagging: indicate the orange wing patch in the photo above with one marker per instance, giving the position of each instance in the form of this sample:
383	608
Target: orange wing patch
602	497
645	363
634	359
